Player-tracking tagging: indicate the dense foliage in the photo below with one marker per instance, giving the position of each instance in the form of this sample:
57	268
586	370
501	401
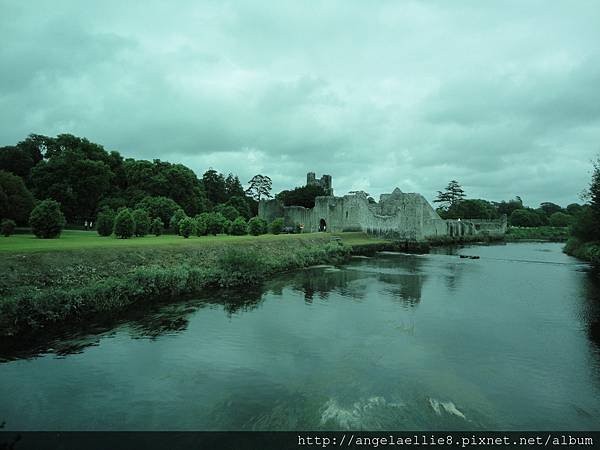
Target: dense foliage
142	222
105	222
124	224
276	226
186	227
47	220
301	196
257	226
157	226
16	202
239	227
85	179
7	227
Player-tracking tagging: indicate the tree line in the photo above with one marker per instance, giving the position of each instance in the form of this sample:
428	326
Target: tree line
454	205
88	182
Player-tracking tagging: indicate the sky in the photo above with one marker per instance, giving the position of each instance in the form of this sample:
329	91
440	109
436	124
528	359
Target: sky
502	96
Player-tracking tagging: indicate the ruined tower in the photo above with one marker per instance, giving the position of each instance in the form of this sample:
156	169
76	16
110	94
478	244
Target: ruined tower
324	182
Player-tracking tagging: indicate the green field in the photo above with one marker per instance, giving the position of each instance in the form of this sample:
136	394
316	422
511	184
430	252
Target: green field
75	240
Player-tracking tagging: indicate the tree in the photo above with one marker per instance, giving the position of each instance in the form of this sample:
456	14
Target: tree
525	218
157	226
186	227
215	223
257	226
161	207
574	209
7	227
239	227
584	225
240	203
202	223
233	187
560	219
74	180
508	207
16	202
301	196
105	222
228	211
471	209
451	195
214	186
276	226
124	224
177	216
13	159
47	220
142	222
260	186
550	208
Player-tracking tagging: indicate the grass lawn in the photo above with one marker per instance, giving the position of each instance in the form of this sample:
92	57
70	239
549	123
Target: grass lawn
74	240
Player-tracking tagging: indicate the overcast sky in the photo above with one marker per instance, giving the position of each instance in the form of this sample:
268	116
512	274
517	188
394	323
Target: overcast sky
502	96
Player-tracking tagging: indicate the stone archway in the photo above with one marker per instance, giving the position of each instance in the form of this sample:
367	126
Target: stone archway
322	225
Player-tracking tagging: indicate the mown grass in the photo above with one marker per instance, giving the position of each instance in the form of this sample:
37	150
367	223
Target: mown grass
75	239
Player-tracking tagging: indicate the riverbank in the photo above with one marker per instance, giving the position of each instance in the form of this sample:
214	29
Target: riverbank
551	234
588	251
82	276
44	289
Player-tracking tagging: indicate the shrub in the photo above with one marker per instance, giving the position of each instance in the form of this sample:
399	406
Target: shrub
186	227
175	219
257	226
276	226
201	224
560	219
227	226
47	220
237	266
239	227
142	222
227	211
105	222
124	224
525	218
215	223
161	207
7	227
157	226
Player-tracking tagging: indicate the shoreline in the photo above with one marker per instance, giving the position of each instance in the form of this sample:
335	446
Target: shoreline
41	292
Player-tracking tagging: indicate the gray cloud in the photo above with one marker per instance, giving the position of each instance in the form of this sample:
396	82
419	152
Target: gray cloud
502	97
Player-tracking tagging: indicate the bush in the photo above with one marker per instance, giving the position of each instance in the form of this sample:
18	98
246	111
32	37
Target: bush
276	226
124	224
228	211
175	219
157	226
257	226
585	226
142	222
161	207
186	227
105	222
237	266
239	227
201	224
525	218
560	219
47	220
215	223
7	227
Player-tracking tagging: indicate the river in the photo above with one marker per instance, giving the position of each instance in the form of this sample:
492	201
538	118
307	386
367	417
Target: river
509	341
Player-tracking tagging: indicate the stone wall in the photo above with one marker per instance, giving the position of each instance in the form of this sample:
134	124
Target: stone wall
397	215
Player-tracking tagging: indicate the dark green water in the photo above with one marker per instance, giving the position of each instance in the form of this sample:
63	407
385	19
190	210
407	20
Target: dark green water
508	341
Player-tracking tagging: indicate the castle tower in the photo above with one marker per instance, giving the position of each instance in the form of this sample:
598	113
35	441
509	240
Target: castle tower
324	182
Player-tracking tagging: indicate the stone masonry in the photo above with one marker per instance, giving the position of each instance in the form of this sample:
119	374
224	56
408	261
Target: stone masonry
398	215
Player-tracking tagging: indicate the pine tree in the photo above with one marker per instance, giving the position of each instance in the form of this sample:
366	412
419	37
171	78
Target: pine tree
260	185
452	194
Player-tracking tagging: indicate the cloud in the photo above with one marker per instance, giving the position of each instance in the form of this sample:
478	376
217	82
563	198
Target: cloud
503	98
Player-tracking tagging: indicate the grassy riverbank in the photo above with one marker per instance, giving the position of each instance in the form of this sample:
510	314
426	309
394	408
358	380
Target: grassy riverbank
45	283
588	251
553	234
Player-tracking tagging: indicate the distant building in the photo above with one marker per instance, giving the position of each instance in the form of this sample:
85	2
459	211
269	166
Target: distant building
398	215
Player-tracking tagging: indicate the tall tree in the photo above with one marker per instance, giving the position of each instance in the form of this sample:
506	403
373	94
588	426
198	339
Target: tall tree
233	187
260	186
451	195
214	186
16	202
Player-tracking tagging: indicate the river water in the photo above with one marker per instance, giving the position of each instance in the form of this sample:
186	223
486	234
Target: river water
509	341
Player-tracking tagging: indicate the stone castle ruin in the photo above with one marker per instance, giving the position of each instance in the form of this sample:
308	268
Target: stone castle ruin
398	215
